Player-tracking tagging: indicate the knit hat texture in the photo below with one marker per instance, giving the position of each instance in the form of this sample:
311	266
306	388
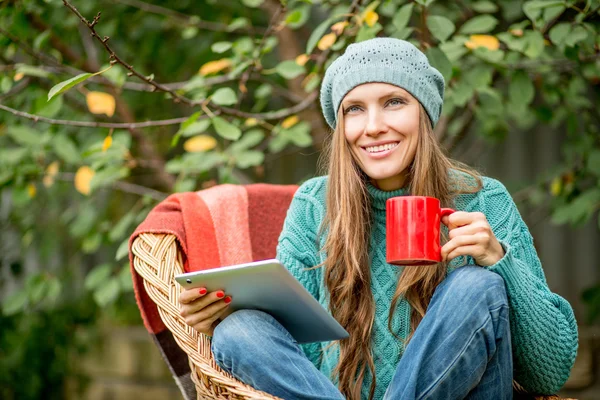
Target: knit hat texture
385	60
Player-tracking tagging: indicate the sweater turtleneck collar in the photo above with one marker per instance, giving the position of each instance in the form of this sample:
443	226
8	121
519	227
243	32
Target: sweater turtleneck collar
379	197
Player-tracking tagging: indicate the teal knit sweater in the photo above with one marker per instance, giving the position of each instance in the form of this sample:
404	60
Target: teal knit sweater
543	327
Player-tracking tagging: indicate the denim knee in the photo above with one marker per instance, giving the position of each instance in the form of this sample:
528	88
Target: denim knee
469	282
237	333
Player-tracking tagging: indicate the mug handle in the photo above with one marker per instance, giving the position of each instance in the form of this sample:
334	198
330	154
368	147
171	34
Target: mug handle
446	211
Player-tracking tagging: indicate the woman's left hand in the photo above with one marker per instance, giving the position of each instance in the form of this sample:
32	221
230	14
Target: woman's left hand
470	234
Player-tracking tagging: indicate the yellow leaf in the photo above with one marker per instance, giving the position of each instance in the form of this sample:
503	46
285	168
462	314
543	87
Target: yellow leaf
83	177
31	190
48	181
289	122
487	41
212	67
339	27
302	59
52	169
251	122
107	143
556	186
326	41
100	103
200	143
371	18
517	32
19	76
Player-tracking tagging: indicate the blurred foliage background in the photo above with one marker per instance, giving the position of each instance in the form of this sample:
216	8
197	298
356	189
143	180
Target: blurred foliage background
103	116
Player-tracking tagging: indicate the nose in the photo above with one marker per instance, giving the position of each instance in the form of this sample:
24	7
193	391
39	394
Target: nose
375	123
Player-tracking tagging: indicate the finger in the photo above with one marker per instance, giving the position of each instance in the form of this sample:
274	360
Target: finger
189	295
473	251
451	245
202	302
470	229
461	218
207	314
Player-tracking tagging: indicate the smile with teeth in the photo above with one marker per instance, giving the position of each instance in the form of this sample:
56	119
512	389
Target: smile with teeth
383	147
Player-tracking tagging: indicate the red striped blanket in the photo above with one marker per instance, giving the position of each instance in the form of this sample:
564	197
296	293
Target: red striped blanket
223	225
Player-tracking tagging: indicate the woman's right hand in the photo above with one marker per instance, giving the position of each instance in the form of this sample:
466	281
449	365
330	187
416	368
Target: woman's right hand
201	310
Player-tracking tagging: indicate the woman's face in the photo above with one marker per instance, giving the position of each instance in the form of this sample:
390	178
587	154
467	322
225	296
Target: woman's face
381	124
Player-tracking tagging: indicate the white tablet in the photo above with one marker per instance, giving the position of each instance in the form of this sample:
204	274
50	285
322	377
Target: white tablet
268	286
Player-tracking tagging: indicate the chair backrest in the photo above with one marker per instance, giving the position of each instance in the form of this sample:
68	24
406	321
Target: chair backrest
219	226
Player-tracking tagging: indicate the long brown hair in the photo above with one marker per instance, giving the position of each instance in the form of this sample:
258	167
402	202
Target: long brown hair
347	224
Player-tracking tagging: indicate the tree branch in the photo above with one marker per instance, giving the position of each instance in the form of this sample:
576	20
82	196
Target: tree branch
275	20
85	124
114	58
121	186
187	20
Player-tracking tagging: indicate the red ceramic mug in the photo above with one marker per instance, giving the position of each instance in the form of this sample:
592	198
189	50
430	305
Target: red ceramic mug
413	230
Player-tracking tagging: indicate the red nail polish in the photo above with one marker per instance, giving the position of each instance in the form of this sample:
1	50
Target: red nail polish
220	294
227	300
202	291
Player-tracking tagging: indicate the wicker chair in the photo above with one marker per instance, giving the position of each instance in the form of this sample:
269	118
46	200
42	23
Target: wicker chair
156	259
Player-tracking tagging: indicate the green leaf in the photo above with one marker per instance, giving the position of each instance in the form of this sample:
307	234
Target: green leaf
298	134
108	292
484	7
226	129
96	276
238	23
224	97
559	32
479	24
220	47
24	135
66	149
248	140
252	3
316	35
125	279
298	17
48	109
31	70
250	158
263	91
367	32
14	303
535	44
533	9
593	162
120	229
196	127
123	250
440	27
521	90
578	34
402	17
68	84
289	69
439	61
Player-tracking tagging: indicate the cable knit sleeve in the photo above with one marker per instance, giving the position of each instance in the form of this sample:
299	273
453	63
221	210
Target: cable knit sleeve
543	327
297	247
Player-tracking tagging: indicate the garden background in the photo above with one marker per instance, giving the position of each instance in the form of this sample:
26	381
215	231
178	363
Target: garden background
104	115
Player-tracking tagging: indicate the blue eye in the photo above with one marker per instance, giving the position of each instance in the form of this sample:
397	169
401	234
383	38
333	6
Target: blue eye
351	109
396	101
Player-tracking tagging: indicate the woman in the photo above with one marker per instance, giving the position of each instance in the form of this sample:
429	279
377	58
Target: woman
458	329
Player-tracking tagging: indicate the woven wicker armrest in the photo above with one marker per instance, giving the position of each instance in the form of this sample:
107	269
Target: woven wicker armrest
157	260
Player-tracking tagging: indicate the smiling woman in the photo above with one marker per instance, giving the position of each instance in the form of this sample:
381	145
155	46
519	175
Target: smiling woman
464	327
381	125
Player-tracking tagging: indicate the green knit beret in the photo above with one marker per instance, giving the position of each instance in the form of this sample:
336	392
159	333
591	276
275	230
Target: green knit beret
386	60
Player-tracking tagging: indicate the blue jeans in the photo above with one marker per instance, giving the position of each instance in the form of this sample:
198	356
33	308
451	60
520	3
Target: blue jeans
461	348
